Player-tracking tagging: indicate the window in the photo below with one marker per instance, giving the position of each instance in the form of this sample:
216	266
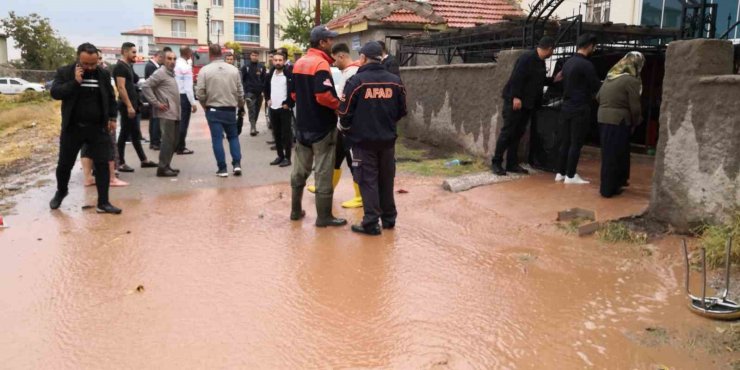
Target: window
247	7
652	12
3	82
727	11
598	11
247	32
672	13
217	3
178	28
217	28
14	82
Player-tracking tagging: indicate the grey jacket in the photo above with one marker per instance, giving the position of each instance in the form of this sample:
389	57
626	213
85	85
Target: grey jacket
161	88
220	85
619	101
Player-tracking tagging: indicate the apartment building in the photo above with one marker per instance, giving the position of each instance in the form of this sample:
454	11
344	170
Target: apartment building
180	22
143	38
596	11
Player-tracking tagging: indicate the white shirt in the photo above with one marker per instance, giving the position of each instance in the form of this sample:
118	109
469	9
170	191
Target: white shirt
346	74
278	90
184	77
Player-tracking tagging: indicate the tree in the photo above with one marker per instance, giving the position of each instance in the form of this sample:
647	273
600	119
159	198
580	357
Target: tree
300	21
292	50
41	47
233	45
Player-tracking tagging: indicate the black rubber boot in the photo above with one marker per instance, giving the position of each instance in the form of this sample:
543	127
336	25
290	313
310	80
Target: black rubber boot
297	211
325	217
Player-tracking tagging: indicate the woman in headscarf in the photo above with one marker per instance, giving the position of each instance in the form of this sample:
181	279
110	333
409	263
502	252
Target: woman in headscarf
619	114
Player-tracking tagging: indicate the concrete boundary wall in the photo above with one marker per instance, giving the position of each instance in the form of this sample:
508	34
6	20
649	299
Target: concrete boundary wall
458	106
697	171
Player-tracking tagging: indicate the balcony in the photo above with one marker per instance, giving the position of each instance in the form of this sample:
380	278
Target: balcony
239	11
252	39
174	37
176	8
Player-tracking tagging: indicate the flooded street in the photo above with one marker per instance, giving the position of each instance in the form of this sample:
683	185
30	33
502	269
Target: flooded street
220	278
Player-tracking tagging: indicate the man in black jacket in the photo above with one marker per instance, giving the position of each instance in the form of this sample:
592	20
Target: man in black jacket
374	101
389	61
580	85
280	108
522	96
155	137
88	115
253	81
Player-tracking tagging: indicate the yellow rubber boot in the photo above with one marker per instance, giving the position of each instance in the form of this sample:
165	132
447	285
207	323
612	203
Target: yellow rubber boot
355	202
335	178
334	181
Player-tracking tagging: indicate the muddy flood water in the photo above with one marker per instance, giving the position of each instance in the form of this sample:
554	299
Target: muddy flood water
220	279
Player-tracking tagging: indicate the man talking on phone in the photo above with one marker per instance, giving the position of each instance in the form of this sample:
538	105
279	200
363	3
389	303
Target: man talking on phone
88	116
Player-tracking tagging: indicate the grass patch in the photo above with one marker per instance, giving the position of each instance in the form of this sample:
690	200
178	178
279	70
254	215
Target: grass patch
571	227
415	158
714	240
617	232
29	126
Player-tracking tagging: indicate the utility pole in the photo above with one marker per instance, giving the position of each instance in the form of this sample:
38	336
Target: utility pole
318	13
208	26
272	24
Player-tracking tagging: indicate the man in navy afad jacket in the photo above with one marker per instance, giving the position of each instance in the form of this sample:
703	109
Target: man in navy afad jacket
375	100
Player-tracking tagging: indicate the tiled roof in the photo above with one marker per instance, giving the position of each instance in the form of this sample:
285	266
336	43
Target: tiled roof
454	13
469	13
143	30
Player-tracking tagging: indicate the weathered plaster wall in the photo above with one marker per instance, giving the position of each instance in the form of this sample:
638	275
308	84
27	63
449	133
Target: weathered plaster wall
458	105
697	174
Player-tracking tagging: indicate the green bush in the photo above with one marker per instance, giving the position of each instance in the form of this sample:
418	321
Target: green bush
714	240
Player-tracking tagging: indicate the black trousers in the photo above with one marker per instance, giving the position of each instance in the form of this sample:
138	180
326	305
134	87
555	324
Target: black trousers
515	125
343	153
130	129
574	127
374	170
282	130
615	158
98	144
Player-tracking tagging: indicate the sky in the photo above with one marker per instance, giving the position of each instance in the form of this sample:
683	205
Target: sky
98	21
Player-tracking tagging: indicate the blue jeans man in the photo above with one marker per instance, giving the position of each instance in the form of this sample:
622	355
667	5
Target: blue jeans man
220	121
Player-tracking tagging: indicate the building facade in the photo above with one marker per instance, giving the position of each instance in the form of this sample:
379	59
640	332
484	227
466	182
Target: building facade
596	11
143	38
667	14
181	22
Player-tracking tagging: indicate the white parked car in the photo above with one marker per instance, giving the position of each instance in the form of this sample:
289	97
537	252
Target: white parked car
12	85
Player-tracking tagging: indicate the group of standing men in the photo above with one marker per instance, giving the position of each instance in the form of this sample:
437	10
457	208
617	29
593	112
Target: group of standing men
90	114
355	120
523	94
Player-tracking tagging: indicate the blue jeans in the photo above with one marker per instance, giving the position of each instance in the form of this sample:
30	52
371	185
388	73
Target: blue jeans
220	122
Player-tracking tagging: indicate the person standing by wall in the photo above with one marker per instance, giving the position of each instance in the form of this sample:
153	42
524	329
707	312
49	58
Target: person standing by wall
220	93
253	80
375	100
620	112
522	96
316	126
152	66
580	85
163	94
280	103
128	106
184	77
389	61
88	115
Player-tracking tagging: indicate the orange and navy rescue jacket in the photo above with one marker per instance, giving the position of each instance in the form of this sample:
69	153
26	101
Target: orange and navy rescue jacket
315	98
374	102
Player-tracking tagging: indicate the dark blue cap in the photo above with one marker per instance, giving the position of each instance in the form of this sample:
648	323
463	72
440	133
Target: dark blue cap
372	50
319	33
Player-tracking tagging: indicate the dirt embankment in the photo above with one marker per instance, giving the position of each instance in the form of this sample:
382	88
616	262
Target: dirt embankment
29	132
